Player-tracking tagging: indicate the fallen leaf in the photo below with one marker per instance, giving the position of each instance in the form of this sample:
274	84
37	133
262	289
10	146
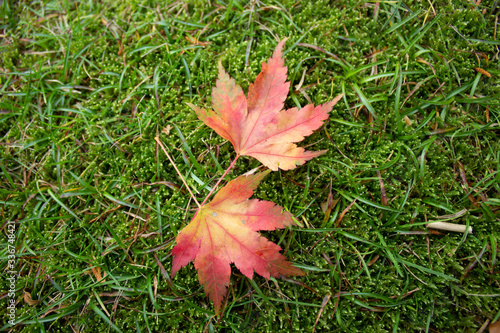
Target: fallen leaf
224	231
495	327
166	130
97	274
28	300
407	120
54	309
258	126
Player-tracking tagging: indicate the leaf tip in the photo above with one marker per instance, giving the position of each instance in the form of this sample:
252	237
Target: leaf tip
222	71
174	270
329	105
336	99
279	48
298	271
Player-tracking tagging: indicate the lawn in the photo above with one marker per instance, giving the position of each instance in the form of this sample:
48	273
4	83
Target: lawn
91	206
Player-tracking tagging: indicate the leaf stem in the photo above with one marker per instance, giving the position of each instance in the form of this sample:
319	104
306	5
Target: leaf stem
221	178
157	139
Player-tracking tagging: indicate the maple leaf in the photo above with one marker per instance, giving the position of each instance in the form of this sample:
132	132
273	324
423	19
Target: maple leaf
224	231
257	126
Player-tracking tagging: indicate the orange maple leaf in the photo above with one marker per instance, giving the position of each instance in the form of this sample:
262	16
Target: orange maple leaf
224	231
257	126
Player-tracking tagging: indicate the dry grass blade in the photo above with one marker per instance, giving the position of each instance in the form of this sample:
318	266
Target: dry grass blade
339	220
482	71
323	304
157	139
383	194
450	227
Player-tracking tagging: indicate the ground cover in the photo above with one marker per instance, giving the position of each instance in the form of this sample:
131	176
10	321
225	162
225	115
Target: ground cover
95	205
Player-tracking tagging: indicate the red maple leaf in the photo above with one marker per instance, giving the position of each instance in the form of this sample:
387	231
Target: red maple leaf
257	126
224	231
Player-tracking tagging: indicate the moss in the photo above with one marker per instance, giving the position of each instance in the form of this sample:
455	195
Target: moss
85	130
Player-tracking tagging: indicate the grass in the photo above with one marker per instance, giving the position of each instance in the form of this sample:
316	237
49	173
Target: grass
86	86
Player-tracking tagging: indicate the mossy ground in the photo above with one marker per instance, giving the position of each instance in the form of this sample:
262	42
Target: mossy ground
86	86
